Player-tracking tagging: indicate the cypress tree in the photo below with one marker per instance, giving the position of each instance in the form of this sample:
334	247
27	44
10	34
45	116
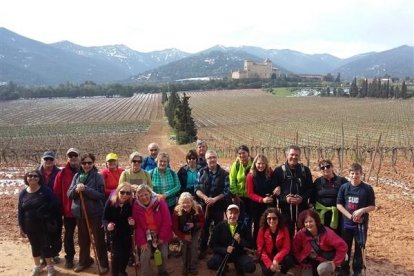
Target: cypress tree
184	123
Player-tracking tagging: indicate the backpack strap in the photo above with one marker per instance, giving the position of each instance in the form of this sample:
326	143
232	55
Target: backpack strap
324	254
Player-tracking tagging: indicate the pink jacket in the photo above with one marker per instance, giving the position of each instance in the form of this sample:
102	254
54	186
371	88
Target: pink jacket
162	218
265	245
328	241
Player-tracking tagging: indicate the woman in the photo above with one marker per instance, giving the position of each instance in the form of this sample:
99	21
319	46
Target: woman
165	181
187	174
188	220
117	219
136	175
38	210
111	173
260	189
326	192
88	185
238	188
152	227
273	243
317	248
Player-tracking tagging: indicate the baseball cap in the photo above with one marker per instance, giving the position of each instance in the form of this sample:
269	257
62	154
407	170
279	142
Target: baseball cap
48	154
111	156
74	150
233	206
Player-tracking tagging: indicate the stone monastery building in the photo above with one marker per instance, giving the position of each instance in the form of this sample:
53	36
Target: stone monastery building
256	70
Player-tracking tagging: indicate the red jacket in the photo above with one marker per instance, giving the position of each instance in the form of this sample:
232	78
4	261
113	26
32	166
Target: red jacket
111	179
60	188
328	241
265	245
178	221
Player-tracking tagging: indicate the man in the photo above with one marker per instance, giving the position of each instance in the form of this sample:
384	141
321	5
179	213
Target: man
111	173
212	190
231	237
201	148
295	182
355	200
60	189
48	172
149	161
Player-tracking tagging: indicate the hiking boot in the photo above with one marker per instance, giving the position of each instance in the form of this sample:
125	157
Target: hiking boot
51	271
103	270
36	271
80	267
69	264
56	259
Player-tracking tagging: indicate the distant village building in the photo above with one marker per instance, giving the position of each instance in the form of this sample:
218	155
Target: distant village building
256	71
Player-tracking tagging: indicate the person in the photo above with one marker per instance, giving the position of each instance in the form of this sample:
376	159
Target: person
317	248
273	244
325	195
153	227
188	220
117	220
231	237
149	161
60	188
212	191
295	181
355	200
136	175
37	220
89	184
238	188
201	148
187	174
165	181
260	189
48	172
111	173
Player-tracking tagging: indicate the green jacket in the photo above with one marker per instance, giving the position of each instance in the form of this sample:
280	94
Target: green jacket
237	178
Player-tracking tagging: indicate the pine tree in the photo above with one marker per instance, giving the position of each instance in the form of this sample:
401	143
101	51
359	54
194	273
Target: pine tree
184	123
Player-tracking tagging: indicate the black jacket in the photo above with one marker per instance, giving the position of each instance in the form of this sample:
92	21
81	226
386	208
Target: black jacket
222	238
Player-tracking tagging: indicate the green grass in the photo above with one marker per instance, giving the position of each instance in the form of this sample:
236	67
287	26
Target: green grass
282	91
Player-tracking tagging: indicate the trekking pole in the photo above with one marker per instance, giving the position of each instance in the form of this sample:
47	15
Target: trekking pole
362	240
222	266
187	256
133	251
91	237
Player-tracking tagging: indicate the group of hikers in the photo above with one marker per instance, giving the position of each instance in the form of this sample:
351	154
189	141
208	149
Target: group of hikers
279	218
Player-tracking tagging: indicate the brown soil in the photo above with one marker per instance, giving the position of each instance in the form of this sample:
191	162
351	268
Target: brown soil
390	246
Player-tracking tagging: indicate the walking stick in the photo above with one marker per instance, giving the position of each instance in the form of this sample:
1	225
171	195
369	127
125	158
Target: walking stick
222	266
133	251
91	237
187	257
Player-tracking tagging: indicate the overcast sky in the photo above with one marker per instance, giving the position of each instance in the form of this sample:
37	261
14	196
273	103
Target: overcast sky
339	27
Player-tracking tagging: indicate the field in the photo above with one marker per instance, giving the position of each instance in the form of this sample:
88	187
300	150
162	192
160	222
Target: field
226	119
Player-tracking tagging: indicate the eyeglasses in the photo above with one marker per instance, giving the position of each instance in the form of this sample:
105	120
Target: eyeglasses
32	176
136	161
71	155
192	158
271	218
87	163
48	159
325	167
153	149
124	193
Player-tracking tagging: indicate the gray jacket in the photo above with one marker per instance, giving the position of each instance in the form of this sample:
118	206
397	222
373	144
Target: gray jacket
94	195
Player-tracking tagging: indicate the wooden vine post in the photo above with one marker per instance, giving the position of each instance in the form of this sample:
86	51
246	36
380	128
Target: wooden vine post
373	157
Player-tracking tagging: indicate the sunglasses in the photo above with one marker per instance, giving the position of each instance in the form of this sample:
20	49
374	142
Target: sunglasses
87	163
271	218
136	161
32	176
124	193
153	149
192	158
48	159
325	167
71	155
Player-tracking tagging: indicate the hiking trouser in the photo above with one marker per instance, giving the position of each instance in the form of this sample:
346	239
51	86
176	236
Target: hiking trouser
146	257
68	237
192	247
243	263
323	269
120	253
287	263
350	236
212	215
